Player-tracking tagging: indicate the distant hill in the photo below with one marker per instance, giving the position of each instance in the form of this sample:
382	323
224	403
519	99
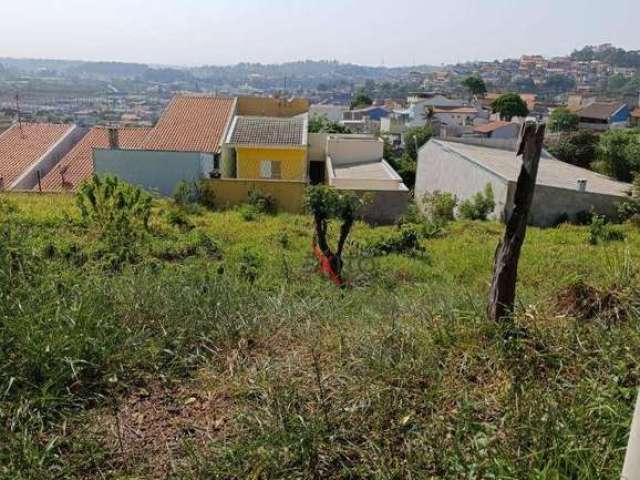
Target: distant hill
617	57
303	70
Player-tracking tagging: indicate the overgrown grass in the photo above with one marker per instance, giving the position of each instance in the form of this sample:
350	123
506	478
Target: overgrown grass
217	351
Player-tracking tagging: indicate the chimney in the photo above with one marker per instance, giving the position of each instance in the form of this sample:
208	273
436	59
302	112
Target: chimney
113	139
582	185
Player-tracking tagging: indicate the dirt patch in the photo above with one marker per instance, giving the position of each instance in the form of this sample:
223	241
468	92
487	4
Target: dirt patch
150	428
586	302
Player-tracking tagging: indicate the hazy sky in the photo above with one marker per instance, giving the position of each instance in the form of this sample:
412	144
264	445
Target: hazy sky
396	32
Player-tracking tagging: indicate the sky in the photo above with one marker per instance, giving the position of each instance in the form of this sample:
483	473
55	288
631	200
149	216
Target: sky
369	32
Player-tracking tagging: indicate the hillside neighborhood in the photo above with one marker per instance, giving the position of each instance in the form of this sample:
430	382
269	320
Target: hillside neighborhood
268	144
317	269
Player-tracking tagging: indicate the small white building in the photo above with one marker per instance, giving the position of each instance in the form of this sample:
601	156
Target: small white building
465	166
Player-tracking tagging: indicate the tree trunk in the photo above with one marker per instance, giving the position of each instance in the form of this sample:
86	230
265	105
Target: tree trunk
505	269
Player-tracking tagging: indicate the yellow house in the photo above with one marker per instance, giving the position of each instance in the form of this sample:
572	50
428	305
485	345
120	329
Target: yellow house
261	151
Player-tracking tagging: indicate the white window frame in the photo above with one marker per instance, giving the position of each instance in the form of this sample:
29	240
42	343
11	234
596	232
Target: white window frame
268	166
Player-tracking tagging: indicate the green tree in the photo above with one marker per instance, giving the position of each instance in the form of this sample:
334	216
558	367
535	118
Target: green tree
361	99
559	84
563	120
406	167
321	124
475	85
619	154
577	148
416	137
326	203
510	105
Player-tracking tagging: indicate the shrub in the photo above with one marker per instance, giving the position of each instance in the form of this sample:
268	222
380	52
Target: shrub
630	210
619	154
406	240
188	195
262	202
179	219
248	213
439	206
113	207
208	195
601	232
250	265
479	206
189	245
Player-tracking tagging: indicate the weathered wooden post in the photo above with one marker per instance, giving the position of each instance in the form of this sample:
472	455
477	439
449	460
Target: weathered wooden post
505	269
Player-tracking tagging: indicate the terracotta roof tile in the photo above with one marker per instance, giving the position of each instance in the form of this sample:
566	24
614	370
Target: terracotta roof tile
77	165
268	131
192	123
21	147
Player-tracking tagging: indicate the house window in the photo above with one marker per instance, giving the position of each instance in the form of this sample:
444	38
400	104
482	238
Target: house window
270	169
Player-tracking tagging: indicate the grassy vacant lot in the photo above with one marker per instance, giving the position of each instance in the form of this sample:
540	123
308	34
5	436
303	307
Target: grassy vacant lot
212	349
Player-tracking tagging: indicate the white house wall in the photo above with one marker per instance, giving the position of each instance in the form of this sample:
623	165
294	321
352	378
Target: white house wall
442	170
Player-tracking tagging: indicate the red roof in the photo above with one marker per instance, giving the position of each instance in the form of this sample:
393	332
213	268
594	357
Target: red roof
21	147
77	165
192	123
490	127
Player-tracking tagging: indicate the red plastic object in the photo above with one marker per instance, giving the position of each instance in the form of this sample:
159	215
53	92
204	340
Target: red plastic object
325	267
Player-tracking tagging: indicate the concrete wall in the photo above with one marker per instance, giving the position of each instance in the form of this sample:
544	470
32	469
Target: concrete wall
386	207
442	170
272	107
152	170
318	147
354	150
29	179
551	202
231	192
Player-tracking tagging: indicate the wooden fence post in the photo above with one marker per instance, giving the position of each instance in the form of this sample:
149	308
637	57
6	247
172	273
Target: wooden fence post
505	269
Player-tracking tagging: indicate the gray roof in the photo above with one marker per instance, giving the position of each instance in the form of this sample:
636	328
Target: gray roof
600	110
268	131
551	172
373	170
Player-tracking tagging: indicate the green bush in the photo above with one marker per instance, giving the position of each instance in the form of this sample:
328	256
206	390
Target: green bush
248	213
630	210
439	207
187	194
262	202
405	241
250	265
479	206
113	207
179	219
194	243
601	232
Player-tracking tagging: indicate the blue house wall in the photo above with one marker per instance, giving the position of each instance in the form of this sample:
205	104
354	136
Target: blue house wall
377	113
621	116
